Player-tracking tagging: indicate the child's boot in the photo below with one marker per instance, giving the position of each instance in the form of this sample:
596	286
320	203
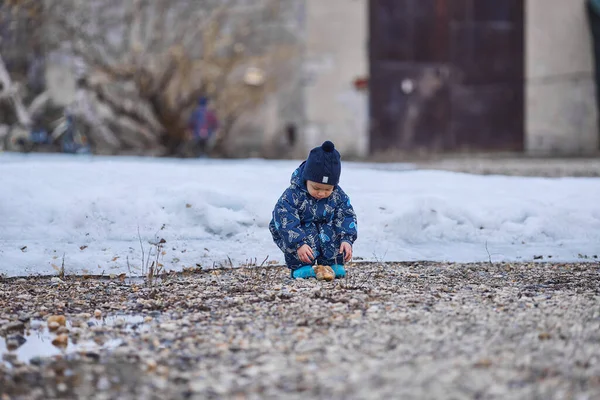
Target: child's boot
304	272
339	270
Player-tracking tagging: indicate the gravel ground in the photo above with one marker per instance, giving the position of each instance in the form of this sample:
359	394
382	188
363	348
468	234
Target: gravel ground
408	330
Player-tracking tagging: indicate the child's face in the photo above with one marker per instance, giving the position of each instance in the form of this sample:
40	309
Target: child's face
319	190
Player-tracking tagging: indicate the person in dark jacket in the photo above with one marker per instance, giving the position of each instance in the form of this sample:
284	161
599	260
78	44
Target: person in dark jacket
202	125
313	220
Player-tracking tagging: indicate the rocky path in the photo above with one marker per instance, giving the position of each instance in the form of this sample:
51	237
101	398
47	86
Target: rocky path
411	330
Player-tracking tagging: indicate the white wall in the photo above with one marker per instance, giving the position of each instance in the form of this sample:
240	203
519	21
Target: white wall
560	95
336	54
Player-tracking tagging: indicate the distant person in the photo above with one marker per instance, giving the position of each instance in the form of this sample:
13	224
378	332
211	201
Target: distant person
313	220
202	126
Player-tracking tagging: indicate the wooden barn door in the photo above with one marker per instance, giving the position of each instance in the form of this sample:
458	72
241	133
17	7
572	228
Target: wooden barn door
446	75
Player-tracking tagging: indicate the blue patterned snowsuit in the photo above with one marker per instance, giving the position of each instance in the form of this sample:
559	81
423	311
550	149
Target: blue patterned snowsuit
324	224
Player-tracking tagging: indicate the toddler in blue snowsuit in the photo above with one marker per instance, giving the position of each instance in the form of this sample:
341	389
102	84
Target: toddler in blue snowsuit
313	220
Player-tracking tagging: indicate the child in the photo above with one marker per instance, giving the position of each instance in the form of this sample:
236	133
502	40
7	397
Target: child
313	219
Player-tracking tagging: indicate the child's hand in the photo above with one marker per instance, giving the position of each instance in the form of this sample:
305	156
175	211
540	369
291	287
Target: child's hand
305	254
346	250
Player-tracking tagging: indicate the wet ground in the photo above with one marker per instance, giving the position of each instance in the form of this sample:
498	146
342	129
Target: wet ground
37	341
408	330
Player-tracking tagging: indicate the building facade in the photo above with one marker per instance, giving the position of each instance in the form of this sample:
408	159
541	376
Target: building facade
451	75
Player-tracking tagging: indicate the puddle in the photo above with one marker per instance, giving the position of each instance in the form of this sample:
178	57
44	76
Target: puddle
38	338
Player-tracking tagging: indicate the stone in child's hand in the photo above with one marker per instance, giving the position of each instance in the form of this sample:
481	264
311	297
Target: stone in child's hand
324	272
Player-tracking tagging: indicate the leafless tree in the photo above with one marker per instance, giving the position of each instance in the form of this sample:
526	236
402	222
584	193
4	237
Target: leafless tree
147	61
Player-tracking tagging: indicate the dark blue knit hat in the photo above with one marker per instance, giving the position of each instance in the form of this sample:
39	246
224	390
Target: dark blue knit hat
323	165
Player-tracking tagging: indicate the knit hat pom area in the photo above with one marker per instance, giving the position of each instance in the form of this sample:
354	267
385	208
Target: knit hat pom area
328	146
323	164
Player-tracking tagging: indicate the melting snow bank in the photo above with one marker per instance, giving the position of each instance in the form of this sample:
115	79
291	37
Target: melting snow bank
88	211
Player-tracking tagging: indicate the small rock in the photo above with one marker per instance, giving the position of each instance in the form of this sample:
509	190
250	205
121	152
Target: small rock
61	340
160	384
61	330
24	317
36	360
197	386
53	325
59	319
93	355
302	358
483	363
16	326
119	323
77	324
168	326
544	336
11	344
103	384
17	340
151	365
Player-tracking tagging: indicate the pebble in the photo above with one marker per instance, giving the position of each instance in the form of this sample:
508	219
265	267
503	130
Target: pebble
15	326
16	340
12	344
61	340
53	325
24	317
103	384
151	365
168	326
59	319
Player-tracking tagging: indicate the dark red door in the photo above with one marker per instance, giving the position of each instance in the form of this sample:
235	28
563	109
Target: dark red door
446	75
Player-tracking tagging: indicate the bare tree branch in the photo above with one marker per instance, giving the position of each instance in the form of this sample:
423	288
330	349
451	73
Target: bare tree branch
12	93
173	52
